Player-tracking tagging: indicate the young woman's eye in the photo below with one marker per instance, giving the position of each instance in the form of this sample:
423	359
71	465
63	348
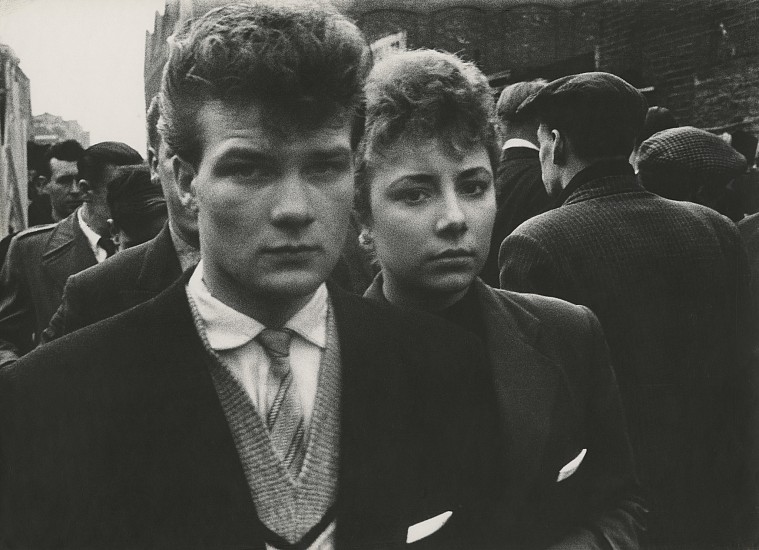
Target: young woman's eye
413	196
475	187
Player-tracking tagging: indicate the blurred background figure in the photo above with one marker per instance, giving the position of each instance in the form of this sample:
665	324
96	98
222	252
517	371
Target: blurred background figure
59	181
40	259
138	207
141	272
657	119
39	203
689	164
520	193
747	185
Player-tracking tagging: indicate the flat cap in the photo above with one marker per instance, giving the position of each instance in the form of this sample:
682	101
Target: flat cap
693	150
596	90
602	110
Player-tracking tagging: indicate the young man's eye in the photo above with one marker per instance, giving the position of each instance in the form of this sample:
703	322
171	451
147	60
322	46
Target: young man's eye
329	167
244	170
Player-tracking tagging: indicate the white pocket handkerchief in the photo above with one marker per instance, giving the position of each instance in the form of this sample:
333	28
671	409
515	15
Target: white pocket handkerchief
427	527
571	466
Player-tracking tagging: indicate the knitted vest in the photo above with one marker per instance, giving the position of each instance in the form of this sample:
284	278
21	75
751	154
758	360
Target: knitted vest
288	507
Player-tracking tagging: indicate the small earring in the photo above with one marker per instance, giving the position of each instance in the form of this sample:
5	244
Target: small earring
365	239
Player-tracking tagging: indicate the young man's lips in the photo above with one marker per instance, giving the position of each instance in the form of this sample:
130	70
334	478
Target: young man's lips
292	249
455	253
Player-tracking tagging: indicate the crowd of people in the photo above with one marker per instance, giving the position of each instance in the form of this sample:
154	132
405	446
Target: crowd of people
357	304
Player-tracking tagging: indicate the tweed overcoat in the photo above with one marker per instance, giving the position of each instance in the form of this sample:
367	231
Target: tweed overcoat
668	282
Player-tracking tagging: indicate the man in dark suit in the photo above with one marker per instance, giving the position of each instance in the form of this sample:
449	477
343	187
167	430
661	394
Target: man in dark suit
520	194
40	259
250	405
140	273
668	281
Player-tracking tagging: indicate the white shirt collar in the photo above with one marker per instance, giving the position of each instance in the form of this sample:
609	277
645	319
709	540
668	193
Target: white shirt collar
519	142
227	328
90	234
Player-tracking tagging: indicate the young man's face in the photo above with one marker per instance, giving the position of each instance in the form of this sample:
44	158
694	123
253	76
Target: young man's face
273	200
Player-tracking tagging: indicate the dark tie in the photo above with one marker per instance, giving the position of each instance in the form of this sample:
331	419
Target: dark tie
285	416
107	244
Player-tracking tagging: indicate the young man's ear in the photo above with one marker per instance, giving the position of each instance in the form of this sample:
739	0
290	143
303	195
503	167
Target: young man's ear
153	165
184	175
560	148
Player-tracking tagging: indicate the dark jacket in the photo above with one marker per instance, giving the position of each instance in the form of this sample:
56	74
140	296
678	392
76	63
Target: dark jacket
520	195
39	261
668	282
114	436
129	278
557	395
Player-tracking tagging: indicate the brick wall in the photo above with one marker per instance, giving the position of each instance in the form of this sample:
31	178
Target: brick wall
699	55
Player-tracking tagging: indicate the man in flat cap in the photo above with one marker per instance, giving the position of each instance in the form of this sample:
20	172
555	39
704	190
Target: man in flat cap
690	164
668	281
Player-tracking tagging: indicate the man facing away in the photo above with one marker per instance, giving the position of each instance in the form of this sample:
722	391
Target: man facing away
668	281
520	193
40	259
250	404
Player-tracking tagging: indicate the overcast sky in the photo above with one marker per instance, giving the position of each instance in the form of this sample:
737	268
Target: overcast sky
84	60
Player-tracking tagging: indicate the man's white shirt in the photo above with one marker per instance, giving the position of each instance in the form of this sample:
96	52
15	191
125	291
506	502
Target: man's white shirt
232	335
92	238
519	142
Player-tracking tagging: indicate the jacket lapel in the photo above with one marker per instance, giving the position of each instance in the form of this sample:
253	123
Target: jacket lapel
160	268
66	252
212	461
526	384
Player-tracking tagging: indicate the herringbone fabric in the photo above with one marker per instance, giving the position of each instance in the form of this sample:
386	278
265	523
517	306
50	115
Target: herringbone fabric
288	505
691	149
285	415
668	282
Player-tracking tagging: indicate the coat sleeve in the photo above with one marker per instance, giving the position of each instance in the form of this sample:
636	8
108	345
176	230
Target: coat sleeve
526	266
70	314
16	314
617	518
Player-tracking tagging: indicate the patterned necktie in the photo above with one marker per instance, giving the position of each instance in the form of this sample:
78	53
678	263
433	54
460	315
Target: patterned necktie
285	416
107	244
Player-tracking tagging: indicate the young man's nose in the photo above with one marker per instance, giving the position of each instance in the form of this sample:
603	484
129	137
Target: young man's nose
291	205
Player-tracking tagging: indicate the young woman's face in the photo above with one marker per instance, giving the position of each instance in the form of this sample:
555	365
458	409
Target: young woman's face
432	213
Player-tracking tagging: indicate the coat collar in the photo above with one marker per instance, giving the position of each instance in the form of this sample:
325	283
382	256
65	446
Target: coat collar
600	179
526	381
66	251
160	265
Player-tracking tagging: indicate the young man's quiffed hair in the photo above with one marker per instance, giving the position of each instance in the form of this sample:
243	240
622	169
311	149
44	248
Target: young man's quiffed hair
303	57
